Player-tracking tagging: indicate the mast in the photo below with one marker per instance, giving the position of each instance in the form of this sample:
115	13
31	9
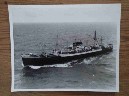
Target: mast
43	48
86	42
67	46
75	40
95	38
101	40
57	42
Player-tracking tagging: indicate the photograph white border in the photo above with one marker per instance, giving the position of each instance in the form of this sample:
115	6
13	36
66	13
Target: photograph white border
10	9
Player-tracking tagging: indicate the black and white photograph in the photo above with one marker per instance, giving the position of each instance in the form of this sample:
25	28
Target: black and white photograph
71	47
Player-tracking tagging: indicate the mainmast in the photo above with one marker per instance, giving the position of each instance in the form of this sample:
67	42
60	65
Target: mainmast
95	38
57	45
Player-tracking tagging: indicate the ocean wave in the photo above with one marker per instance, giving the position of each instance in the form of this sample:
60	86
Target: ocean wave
89	60
55	65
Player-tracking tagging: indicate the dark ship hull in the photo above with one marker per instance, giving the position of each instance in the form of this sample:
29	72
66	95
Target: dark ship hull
51	59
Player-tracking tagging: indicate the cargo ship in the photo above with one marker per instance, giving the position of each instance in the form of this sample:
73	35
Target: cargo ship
76	50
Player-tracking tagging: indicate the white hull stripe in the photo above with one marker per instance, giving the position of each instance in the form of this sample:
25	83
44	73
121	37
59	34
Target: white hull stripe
66	55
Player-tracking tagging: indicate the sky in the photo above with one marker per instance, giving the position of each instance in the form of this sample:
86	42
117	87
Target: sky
64	13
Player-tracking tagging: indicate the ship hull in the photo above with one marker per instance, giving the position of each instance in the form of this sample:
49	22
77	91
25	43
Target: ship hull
41	61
